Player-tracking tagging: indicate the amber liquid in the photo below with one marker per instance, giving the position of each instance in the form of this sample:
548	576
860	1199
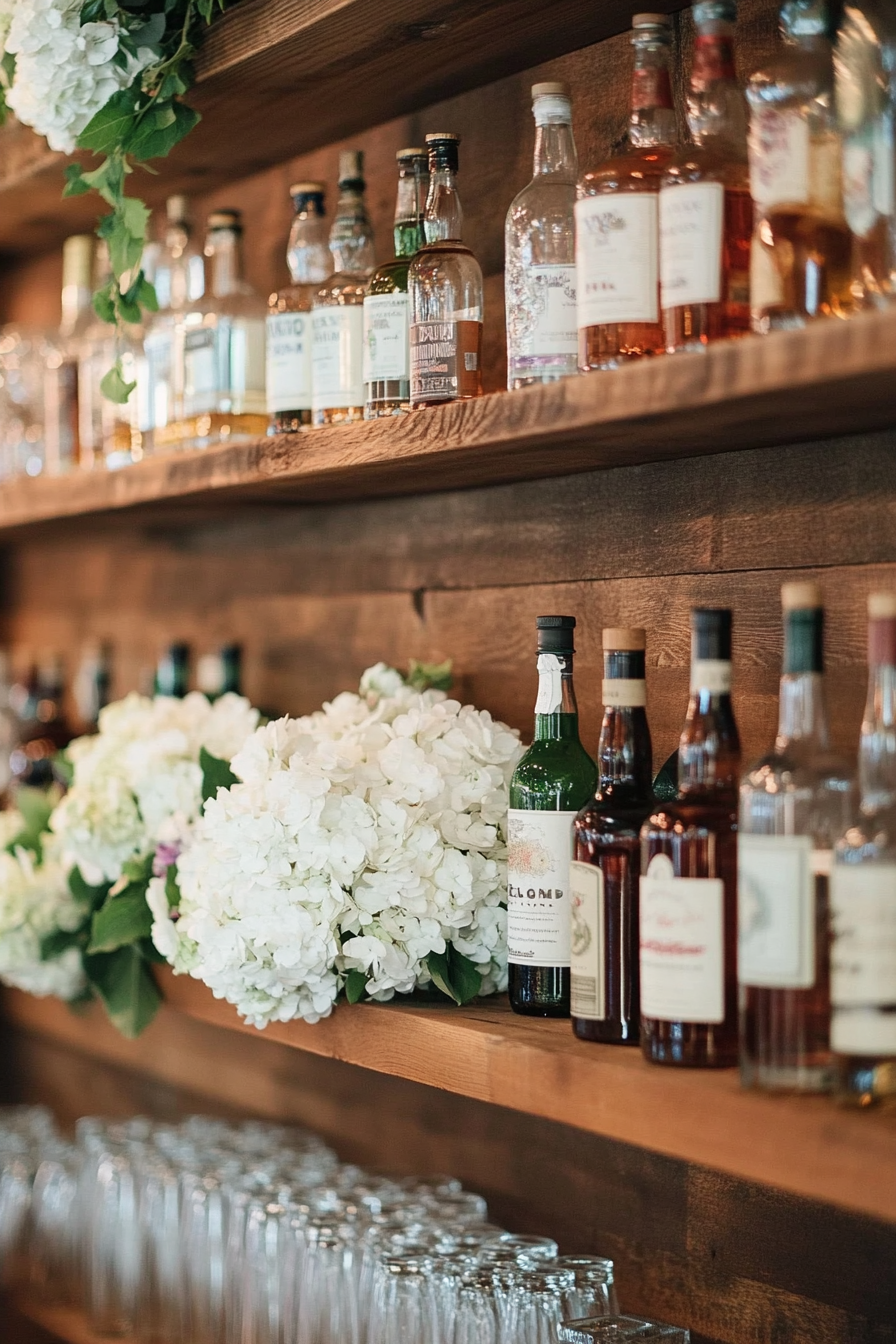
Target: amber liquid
619	856
814	260
692	325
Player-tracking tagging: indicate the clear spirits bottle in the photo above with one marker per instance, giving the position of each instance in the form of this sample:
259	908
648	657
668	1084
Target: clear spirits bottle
552	781
445	287
92	684
337	317
794	805
617	217
179	280
61	384
706	213
109	433
539	251
289	313
173	671
220	673
387	367
863	888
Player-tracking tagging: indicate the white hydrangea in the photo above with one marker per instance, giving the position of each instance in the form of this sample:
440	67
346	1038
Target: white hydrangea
35	900
362	837
7	9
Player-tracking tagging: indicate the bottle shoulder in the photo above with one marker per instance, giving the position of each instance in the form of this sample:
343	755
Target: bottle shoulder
635	171
390	278
294	298
706	812
711	161
344	289
615	819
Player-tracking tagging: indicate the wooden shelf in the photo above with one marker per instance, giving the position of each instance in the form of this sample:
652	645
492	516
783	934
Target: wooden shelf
831	379
66	1323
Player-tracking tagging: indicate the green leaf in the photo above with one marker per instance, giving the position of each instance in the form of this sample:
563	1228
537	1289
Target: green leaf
429	676
114	387
172	889
156	135
35	805
138	870
104	305
216	774
126	986
76	183
108	129
123	920
355	985
149	952
63	768
146	295
437	964
59	941
465	975
92	897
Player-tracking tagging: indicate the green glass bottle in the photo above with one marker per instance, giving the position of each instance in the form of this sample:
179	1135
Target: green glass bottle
553	780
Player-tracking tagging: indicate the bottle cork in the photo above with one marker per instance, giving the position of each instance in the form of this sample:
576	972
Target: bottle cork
625	639
800	595
550	89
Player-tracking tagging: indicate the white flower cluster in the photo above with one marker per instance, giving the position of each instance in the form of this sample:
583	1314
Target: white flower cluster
362	837
35	900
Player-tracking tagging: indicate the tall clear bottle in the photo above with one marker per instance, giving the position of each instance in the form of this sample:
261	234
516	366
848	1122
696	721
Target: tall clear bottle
539	251
387	361
109	433
863	888
61	380
337	317
445	287
179	282
289	313
794	804
550	784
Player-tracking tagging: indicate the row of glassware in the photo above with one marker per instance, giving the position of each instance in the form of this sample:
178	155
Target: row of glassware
779	209
213	1232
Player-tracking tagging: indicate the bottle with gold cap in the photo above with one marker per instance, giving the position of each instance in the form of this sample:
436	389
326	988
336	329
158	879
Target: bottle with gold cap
289	313
179	280
794	804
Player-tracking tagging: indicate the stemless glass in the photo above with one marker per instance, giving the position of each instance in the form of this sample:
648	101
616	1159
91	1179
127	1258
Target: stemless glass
16	1178
403	1310
114	1245
539	1248
539	1301
55	1230
328	1305
595	1290
619	1329
477	1318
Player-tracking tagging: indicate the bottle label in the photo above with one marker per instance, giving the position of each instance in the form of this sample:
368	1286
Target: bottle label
682	945
619	693
386	355
617	256
776	911
651	87
445	360
200	371
337	357
691	217
711	674
539	853
713	59
863	958
550	683
779	157
550	301
587	974
289	362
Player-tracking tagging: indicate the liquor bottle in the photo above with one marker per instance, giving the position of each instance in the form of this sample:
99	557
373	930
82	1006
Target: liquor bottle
310	262
706	214
337	316
688	892
794	805
606	868
219	673
549	785
445	286
179	281
90	688
617	217
387	368
173	671
802	248
44	731
61	380
539	251
109	433
863	888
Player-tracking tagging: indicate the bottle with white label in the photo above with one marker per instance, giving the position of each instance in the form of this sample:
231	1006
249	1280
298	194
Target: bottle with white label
863	888
688	892
606	867
549	786
310	262
794	804
539	251
617	217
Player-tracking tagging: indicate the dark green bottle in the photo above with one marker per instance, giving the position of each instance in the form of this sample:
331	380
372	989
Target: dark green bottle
173	671
552	781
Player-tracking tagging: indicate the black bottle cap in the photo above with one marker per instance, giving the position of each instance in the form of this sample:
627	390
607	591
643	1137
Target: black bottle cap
442	149
711	634
555	634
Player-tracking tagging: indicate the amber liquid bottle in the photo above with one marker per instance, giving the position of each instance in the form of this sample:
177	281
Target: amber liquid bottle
606	867
688	893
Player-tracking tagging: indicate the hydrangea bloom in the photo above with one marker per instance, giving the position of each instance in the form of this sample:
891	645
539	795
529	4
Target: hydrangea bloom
35	900
362	837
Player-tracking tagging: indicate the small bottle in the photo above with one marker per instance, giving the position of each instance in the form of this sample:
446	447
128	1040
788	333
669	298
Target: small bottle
794	805
219	673
706	214
688	893
337	318
551	782
387	368
863	888
617	217
108	432
91	686
445	286
44	727
289	313
173	671
179	281
606	868
61	380
539	251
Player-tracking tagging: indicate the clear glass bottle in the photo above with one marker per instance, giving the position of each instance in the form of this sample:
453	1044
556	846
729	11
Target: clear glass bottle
794	804
44	727
539	251
337	316
310	262
173	671
387	368
22	407
863	888
617	239
109	433
92	683
688	892
179	280
552	781
706	213
61	380
445	286
220	673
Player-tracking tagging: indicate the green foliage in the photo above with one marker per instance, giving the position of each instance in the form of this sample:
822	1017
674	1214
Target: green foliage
216	774
454	974
124	919
355	982
124	982
172	890
35	805
429	676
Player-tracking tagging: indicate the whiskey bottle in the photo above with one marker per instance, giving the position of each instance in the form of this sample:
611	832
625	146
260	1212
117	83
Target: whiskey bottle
617	217
61	379
337	317
688	892
802	248
387	370
606	868
706	214
539	251
173	671
795	803
445	287
289	313
863	888
179	281
549	785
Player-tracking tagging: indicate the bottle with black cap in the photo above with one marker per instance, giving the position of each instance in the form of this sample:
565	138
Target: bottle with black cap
173	671
288	376
688	891
552	781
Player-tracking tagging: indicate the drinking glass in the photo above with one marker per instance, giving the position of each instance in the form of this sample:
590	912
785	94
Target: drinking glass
16	1178
539	1302
328	1304
55	1230
620	1329
539	1248
477	1316
595	1290
113	1244
403	1310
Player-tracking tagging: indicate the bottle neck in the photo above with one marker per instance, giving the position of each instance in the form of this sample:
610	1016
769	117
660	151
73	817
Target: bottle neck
802	720
556	711
444	220
716	107
652	119
351	237
709	749
624	753
410	207
555	151
225	254
308	254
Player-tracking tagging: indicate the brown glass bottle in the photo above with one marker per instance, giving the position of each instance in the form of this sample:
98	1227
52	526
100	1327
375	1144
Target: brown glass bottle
606	867
688	892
